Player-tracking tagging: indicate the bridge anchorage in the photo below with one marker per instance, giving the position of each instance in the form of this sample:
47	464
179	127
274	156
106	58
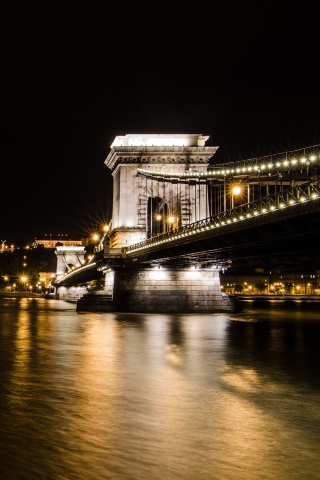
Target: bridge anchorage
179	220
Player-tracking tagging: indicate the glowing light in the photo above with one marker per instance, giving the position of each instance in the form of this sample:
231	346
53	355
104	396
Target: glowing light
193	273
159	140
236	190
157	274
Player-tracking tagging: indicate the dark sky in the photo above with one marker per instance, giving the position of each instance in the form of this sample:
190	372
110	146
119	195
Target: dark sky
75	74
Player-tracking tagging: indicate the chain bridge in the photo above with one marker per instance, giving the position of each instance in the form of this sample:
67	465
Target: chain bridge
179	219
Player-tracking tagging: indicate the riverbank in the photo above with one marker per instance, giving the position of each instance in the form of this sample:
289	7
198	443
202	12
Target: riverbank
302	298
239	297
21	295
282	302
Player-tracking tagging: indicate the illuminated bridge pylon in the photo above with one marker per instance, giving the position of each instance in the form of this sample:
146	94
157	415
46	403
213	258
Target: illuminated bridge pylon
68	259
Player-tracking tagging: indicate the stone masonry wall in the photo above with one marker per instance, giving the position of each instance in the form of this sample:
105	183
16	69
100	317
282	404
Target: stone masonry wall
169	290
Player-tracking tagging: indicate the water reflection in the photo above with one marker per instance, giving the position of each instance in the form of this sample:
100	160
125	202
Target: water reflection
128	396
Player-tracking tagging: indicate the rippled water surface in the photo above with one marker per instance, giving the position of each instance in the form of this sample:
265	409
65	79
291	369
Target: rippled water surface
131	396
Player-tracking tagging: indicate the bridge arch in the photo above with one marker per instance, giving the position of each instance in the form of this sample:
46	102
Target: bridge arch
157	217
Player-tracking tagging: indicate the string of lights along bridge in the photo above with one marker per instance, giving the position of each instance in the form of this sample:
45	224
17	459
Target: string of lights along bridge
238	191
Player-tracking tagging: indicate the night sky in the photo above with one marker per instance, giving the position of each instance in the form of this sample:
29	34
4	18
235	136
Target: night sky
75	74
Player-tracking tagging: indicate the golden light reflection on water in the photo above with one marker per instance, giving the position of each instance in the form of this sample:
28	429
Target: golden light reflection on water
21	356
246	380
174	355
151	397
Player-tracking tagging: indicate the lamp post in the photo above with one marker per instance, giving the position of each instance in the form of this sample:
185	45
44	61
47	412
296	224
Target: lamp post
158	219
95	238
170	221
23	281
236	190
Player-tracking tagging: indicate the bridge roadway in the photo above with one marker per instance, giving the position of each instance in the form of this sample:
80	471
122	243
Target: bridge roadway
286	222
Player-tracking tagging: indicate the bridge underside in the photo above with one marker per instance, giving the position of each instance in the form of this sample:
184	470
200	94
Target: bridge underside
289	236
280	237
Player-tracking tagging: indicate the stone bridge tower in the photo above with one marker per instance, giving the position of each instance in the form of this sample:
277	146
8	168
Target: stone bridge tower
68	258
143	206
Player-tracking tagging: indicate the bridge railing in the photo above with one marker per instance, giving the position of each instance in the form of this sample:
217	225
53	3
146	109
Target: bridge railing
291	197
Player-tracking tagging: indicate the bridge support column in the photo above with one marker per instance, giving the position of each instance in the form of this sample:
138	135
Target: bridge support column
70	294
164	289
168	289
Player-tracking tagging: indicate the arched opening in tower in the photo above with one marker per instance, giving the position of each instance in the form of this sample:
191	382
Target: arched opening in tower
157	220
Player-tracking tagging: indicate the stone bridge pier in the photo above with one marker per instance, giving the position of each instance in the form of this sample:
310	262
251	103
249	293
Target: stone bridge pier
159	289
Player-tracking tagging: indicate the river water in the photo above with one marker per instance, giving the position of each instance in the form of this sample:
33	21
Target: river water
156	396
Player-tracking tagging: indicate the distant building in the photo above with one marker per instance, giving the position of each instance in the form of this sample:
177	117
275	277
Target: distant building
45	279
50	242
305	282
5	248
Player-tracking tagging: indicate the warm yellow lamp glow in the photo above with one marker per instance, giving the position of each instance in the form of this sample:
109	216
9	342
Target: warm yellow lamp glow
236	190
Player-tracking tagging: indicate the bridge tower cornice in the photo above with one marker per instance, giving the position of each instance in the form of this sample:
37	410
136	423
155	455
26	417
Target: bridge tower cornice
159	155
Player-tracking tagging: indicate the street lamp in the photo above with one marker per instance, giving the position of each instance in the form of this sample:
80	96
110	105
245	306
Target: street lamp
23	280
170	221
158	218
236	190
